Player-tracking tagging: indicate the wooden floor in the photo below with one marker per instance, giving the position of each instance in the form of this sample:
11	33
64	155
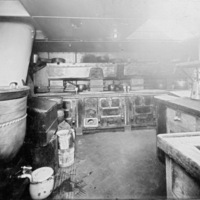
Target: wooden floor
64	183
113	165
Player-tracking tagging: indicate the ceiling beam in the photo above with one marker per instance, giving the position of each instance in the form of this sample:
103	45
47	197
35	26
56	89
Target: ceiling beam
95	46
90	18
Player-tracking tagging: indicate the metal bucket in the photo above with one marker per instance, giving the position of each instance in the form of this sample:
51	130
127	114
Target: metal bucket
16	41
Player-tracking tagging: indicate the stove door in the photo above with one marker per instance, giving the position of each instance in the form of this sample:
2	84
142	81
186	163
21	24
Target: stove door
142	111
111	111
70	110
90	119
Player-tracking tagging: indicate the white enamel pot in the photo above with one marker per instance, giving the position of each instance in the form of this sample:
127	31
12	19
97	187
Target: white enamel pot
42	183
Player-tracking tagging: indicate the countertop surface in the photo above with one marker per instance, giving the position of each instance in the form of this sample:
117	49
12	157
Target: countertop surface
183	148
180	103
181	93
103	93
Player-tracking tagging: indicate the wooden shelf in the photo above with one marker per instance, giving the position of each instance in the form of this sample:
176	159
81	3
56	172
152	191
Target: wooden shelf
70	79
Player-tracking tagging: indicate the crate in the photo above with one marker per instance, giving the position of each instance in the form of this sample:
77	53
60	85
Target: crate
137	81
96	89
96	83
137	87
137	84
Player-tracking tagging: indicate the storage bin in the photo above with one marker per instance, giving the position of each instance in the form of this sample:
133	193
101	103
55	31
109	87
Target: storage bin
42	120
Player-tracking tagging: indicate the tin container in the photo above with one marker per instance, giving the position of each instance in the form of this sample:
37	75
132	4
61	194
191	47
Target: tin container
66	157
64	139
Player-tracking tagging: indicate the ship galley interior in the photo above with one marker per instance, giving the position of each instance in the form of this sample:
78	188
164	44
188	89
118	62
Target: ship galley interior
99	99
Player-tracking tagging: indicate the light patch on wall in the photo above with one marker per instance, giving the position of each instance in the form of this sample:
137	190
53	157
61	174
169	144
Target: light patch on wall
12	8
161	30
40	35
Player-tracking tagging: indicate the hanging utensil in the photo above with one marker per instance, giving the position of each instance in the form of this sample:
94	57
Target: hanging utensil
58	60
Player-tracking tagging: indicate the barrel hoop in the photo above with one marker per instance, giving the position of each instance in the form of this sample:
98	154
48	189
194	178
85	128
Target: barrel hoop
13	121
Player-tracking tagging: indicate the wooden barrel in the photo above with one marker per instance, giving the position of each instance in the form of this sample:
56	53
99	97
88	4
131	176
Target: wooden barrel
12	126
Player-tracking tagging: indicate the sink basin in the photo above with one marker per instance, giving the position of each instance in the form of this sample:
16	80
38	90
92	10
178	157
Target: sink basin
184	149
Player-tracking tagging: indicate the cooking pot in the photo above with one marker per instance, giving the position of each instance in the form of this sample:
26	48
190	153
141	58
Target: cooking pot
81	87
58	60
41	182
111	87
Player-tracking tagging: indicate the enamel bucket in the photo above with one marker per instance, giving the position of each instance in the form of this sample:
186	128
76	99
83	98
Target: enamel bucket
42	183
16	41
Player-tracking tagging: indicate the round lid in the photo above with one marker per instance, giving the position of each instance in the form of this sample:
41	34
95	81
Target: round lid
13	92
42	174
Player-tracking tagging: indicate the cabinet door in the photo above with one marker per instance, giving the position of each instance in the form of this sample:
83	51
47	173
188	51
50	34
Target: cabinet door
90	107
180	184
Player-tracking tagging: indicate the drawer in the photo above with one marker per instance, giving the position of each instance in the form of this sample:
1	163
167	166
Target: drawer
178	121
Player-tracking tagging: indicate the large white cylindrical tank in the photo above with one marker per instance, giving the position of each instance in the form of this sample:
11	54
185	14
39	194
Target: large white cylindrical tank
16	40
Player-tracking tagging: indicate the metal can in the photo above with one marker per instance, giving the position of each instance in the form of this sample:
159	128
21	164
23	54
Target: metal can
64	139
66	157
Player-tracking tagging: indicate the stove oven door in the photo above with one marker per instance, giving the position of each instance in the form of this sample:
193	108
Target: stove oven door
90	119
111	112
142	111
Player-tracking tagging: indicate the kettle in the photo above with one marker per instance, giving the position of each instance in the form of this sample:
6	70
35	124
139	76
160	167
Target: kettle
111	87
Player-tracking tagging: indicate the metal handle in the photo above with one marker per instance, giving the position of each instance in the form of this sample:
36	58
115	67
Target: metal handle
26	168
13	85
177	116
